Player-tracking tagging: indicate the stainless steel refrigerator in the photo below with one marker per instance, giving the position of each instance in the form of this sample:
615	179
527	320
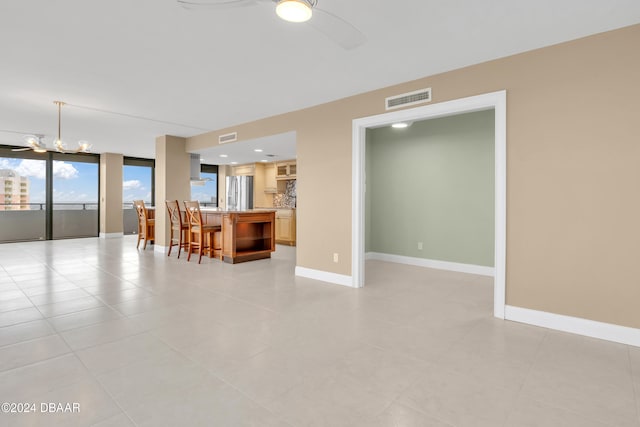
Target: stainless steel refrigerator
239	193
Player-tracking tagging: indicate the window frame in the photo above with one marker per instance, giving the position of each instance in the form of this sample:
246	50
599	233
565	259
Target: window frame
211	169
49	157
150	163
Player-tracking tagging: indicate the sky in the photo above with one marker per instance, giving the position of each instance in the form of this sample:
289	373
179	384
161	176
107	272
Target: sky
72	181
78	182
207	192
136	184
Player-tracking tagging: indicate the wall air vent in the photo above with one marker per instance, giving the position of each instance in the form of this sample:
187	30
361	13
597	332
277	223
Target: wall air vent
228	137
411	98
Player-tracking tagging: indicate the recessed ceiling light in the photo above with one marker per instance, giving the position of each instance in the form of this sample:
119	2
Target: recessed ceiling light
400	125
223	155
258	150
264	161
234	163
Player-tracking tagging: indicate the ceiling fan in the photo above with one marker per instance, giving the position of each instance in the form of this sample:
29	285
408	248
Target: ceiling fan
335	28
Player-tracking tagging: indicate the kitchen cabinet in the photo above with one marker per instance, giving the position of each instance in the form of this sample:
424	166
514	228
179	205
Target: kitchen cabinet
243	170
286	226
270	183
286	170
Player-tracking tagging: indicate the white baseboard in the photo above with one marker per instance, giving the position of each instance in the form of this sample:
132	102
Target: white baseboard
111	235
432	263
325	276
574	325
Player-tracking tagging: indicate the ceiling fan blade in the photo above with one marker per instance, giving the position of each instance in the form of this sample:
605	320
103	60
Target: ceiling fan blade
337	29
214	4
21	149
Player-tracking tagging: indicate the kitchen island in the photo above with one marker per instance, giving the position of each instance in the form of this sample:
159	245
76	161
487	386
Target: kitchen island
246	235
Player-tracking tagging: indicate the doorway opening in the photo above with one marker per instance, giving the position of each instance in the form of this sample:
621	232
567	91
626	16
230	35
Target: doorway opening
495	101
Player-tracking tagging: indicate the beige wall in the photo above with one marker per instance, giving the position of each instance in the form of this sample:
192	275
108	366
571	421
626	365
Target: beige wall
573	149
110	193
172	182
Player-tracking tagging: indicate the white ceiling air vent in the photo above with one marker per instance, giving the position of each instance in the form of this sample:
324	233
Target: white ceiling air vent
411	98
228	137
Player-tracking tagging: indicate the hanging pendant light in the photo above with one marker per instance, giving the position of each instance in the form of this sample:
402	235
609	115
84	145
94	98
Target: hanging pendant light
58	142
83	146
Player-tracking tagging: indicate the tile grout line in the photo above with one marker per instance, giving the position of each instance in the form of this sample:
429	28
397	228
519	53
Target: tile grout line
527	376
555	406
411	384
636	390
73	353
95	378
198	364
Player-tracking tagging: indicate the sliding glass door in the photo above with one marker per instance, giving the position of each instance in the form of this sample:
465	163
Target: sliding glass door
137	184
22	196
75	197
46	196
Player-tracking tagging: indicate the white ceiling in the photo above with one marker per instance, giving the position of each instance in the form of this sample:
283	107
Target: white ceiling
193	71
268	149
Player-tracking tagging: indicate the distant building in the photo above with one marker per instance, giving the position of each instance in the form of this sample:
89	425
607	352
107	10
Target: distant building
14	191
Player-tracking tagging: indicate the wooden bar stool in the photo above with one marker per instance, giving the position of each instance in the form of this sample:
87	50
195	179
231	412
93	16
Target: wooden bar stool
179	227
198	231
146	225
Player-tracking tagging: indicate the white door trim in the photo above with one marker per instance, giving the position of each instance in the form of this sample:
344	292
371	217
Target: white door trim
493	100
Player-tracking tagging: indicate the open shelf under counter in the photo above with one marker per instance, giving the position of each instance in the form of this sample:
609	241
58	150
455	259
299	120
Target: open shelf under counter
246	235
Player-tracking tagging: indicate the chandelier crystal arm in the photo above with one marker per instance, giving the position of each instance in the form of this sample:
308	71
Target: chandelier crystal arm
83	146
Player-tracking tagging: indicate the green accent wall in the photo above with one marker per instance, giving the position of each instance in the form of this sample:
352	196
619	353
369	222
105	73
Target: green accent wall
432	182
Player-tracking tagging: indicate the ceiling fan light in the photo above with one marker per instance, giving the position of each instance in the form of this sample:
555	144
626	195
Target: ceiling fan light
294	10
39	149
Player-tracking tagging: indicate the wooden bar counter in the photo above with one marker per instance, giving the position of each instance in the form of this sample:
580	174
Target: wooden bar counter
246	235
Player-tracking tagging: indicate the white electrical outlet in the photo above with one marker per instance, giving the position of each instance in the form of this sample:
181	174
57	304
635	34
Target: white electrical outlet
419	246
335	257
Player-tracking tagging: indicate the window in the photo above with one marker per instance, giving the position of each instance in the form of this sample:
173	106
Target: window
22	196
138	183
56	195
75	197
207	191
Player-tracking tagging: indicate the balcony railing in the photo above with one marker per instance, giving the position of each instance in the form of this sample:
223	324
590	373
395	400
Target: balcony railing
27	221
42	206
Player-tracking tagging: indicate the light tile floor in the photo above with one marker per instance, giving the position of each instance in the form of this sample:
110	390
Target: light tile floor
139	339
